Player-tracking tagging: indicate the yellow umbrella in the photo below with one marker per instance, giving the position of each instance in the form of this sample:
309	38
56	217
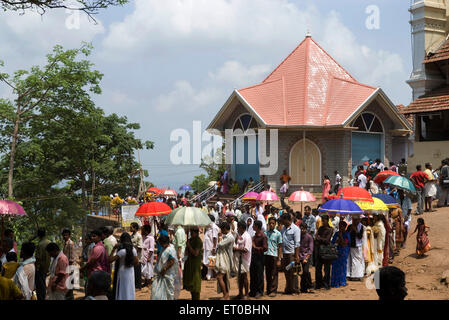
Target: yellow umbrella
376	206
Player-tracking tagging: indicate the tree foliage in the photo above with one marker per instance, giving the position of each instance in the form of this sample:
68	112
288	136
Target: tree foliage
90	7
68	151
200	183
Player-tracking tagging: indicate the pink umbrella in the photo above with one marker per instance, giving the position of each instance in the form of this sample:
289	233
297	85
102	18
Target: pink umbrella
301	196
250	196
267	196
8	207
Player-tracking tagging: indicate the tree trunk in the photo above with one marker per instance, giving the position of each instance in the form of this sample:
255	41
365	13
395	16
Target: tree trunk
12	155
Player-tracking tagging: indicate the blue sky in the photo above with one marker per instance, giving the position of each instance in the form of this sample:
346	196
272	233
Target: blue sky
167	62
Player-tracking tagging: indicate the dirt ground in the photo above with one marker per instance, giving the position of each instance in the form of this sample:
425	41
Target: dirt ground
422	275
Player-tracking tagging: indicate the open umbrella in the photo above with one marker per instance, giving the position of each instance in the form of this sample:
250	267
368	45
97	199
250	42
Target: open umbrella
378	206
301	196
401	183
391	202
212	183
153	208
267	196
188	217
154	190
185	187
168	192
250	196
342	206
8	207
355	194
381	176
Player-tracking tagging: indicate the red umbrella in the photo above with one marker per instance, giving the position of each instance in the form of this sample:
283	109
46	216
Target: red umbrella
8	207
154	190
383	175
153	209
355	194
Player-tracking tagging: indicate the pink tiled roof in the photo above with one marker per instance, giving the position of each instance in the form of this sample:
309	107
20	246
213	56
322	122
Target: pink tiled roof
308	88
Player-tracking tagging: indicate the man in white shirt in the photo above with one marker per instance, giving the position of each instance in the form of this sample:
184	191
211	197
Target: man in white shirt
379	165
220	206
337	182
361	180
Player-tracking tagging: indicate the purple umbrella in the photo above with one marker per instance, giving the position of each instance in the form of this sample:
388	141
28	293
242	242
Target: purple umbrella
8	207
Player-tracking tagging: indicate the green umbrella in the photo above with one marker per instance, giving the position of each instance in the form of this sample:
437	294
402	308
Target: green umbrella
188	217
401	183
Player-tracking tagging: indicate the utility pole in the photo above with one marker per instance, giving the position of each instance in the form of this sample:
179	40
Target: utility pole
142	186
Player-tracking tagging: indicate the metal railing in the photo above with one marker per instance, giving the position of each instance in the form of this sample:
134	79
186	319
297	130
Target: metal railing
205	194
257	188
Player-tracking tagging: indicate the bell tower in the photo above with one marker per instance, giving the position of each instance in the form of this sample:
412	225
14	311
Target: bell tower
429	27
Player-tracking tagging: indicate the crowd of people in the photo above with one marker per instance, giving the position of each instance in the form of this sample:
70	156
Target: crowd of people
252	241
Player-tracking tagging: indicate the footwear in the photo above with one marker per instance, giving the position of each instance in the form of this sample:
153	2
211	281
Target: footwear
258	296
272	294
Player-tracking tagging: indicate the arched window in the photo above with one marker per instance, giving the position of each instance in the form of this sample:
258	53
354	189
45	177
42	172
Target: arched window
245	122
305	163
369	123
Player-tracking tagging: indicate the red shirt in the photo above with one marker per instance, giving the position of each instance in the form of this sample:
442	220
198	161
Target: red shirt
420	178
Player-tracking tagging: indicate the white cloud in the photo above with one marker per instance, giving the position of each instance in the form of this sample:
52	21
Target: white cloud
28	38
252	32
184	97
237	75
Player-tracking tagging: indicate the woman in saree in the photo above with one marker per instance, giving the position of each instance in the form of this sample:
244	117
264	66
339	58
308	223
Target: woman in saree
339	267
379	233
326	189
167	284
422	240
192	267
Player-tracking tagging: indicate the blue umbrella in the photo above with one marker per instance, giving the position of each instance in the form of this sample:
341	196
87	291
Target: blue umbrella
388	200
343	206
185	187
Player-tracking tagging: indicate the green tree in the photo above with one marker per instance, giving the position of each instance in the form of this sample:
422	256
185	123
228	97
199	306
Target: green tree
64	82
214	166
200	183
67	151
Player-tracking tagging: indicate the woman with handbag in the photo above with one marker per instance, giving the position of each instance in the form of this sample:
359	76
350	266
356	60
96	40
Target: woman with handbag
339	267
322	245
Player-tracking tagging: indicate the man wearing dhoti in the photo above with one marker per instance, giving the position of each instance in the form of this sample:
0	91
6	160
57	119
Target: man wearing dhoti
356	260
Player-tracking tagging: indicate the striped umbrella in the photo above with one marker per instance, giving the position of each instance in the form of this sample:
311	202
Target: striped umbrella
188	217
168	192
267	196
301	196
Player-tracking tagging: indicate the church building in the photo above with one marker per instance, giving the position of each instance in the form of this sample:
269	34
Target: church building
326	120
